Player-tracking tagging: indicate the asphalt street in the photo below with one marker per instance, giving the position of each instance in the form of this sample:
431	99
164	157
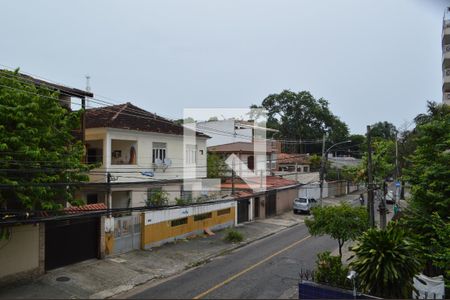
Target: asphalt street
268	268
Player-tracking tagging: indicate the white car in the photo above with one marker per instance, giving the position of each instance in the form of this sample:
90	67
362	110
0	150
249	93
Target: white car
304	205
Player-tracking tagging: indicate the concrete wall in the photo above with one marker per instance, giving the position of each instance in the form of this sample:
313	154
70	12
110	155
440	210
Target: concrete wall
157	226
285	199
337	188
21	255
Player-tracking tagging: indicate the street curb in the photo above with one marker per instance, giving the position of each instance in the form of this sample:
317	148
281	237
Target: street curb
201	262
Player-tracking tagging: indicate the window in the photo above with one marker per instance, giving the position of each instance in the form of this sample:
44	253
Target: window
159	151
202	216
191	154
94	155
225	211
91	198
305	169
179	222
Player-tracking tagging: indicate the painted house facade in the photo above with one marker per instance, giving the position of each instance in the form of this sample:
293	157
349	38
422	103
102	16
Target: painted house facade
140	150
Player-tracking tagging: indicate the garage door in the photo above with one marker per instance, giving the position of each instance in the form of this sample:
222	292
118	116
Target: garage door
271	203
243	206
71	241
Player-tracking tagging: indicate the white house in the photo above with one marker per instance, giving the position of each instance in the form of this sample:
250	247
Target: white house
141	152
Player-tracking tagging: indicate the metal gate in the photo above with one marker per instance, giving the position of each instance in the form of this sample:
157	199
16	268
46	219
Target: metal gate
70	241
127	234
243	210
271	203
256	208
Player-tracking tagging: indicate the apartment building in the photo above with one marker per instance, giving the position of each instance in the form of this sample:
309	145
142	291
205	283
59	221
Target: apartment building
446	57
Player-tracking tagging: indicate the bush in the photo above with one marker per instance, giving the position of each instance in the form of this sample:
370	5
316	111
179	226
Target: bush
331	271
233	236
157	198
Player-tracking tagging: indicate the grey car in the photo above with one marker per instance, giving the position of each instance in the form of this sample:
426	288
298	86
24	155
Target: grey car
303	205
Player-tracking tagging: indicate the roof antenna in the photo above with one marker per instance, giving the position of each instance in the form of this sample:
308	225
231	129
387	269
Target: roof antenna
88	89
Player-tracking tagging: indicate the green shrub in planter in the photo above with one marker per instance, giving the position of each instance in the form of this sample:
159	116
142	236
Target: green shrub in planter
233	236
331	271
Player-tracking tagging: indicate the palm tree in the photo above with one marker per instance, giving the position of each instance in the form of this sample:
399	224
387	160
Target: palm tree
386	262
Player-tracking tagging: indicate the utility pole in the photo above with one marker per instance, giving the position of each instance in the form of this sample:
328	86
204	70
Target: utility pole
397	173
322	161
232	179
370	187
109	194
296	172
83	128
382	207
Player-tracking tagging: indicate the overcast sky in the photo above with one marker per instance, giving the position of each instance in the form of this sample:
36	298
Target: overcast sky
373	61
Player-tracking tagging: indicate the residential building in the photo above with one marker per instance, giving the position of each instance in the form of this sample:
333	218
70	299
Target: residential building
230	131
249	158
446	57
140	152
291	162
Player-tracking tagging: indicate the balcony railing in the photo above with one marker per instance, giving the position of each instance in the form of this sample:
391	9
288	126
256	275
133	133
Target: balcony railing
446	48
446	73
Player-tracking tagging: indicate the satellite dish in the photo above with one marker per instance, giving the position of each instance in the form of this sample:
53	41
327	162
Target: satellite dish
158	162
167	162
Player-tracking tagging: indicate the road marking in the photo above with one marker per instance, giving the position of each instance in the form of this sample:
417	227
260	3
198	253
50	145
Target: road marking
249	268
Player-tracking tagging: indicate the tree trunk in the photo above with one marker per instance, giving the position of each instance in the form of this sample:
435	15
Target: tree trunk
340	249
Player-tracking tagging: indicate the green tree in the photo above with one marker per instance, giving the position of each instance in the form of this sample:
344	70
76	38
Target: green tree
429	175
301	116
386	262
216	167
342	222
37	147
383	130
357	146
383	162
157	197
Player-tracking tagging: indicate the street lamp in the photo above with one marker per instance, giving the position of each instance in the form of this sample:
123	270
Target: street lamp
351	276
322	167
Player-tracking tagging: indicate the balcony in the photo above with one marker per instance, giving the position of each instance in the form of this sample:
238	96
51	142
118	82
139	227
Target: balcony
446	80
123	152
446	56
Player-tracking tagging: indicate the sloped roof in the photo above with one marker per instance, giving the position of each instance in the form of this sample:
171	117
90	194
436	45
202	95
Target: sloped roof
288	158
272	182
236	147
131	117
58	87
86	207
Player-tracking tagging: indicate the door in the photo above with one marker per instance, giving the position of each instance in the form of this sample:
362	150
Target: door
251	162
256	207
271	203
243	210
71	241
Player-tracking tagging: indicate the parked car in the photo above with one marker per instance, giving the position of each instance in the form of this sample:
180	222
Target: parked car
304	205
390	197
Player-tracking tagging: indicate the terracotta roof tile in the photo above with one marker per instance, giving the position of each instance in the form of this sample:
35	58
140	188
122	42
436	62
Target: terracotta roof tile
129	116
288	158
